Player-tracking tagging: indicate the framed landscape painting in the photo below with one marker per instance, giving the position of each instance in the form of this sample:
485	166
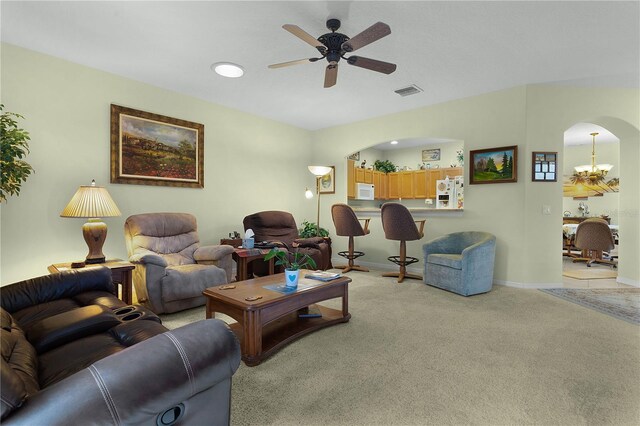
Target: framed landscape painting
152	149
494	165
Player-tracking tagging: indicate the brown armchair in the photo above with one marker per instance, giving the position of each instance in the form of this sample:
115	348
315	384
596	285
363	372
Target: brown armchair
280	227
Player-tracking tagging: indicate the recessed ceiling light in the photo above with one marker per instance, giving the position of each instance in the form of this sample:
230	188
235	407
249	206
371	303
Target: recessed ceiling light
227	69
394	142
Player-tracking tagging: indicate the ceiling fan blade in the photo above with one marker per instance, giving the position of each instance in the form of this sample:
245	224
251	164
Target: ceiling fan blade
331	75
372	64
371	34
286	64
305	36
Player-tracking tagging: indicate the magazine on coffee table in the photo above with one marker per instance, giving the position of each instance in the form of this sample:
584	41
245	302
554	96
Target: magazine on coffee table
323	275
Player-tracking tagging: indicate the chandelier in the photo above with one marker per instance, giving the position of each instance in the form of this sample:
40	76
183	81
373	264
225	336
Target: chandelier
593	172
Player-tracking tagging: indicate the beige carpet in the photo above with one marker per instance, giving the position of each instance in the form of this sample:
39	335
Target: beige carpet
591	273
416	355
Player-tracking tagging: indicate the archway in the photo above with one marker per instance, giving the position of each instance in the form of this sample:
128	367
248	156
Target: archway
628	211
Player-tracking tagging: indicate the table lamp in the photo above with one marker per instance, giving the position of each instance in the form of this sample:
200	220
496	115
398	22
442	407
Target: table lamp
92	202
318	171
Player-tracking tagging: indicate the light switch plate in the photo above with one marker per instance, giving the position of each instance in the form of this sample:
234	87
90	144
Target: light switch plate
546	209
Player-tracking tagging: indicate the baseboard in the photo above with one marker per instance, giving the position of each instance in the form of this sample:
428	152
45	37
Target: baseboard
379	266
419	271
628	281
533	286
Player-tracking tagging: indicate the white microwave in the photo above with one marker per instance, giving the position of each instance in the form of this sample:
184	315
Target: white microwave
364	191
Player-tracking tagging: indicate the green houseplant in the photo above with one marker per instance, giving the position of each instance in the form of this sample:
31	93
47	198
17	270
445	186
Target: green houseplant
310	229
384	166
14	145
292	262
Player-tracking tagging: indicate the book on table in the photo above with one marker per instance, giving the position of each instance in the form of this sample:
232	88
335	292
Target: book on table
323	275
310	312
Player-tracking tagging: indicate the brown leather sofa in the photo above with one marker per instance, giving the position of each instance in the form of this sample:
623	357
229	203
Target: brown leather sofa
279	226
72	353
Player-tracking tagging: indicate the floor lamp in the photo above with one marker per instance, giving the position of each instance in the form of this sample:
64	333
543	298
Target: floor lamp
318	172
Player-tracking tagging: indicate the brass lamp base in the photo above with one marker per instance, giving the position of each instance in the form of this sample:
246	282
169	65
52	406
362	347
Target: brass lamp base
95	233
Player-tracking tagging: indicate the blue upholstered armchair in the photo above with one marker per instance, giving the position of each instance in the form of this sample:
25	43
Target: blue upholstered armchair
461	262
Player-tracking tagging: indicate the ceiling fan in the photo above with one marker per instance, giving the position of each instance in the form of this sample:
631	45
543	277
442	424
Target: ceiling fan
333	46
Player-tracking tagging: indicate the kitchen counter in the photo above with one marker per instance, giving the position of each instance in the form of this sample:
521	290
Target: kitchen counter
418	211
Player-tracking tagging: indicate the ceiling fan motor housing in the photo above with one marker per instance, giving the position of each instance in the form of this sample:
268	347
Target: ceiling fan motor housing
334	42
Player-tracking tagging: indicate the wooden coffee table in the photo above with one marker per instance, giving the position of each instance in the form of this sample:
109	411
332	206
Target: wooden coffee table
267	324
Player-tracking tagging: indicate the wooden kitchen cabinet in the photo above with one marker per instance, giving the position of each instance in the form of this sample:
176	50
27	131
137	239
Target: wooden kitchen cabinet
351	179
384	183
406	184
377	186
380	185
368	176
420	184
393	189
364	175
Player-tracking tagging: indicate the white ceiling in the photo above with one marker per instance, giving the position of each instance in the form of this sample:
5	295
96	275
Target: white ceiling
450	49
580	134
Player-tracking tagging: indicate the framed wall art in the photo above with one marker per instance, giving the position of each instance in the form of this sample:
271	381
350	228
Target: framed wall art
494	165
544	166
355	156
327	182
431	154
153	149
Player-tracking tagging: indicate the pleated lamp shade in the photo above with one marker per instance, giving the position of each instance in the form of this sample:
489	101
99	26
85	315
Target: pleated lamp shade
91	201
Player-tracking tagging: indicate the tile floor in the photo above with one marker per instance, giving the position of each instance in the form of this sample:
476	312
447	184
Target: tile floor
568	282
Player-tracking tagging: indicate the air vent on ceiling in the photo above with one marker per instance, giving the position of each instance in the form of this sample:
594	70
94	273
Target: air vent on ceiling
409	90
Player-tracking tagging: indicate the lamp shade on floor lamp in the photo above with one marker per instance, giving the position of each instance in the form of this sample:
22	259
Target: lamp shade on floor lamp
92	202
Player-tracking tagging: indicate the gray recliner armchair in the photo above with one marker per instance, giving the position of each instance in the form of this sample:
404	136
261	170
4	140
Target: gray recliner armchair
172	268
461	262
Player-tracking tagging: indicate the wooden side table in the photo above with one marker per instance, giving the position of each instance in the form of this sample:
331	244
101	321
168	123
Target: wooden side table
121	273
244	256
234	242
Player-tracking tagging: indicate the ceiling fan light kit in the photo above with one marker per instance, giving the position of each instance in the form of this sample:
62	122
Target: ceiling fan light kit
334	46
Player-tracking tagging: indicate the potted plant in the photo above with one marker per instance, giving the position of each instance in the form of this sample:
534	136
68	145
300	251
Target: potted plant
292	263
14	144
310	229
385	166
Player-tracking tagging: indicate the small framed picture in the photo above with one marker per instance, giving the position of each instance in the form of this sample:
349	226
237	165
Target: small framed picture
543	166
327	184
431	154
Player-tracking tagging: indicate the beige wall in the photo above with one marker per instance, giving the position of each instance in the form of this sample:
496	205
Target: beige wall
67	110
551	110
491	120
534	118
251	163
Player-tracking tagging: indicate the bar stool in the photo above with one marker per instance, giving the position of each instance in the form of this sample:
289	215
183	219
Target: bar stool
347	225
398	225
